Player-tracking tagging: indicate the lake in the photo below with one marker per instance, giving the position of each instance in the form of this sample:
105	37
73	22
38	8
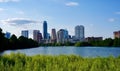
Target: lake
65	50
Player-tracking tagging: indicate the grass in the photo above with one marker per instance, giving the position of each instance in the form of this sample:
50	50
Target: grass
21	62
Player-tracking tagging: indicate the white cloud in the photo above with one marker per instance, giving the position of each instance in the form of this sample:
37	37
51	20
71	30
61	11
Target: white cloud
72	4
117	13
111	20
9	1
18	21
20	12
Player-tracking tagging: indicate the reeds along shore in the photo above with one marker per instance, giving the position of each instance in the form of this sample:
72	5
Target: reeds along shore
21	62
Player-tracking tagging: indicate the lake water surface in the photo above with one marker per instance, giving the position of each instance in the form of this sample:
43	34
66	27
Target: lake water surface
82	51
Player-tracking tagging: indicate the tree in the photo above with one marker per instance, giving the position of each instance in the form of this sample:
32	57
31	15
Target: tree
108	42
13	42
116	42
82	44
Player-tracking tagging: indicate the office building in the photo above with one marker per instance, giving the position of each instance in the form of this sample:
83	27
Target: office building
53	36
66	35
25	33
116	34
79	33
45	33
37	36
7	35
62	36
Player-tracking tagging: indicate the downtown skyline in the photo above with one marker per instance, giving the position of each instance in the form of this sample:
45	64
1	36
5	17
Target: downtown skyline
100	18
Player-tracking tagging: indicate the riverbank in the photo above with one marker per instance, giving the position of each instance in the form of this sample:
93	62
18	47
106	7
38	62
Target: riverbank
21	62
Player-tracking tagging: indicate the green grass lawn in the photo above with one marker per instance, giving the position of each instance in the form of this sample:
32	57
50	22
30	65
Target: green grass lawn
21	62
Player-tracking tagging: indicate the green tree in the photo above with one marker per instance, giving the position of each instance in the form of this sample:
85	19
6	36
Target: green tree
108	42
14	42
82	44
116	42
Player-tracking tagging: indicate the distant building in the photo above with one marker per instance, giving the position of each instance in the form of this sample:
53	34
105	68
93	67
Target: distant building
7	35
37	36
116	34
79	33
66	35
88	39
45	33
25	33
62	36
53	36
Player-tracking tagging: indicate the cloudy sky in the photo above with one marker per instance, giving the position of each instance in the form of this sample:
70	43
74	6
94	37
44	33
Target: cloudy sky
100	17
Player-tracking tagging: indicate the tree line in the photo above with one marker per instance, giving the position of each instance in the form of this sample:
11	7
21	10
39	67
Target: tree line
108	42
15	43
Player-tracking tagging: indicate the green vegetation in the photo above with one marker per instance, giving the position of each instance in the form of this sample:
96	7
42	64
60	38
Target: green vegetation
15	43
21	62
108	42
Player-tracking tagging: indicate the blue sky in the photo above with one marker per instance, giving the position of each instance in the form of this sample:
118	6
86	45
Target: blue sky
100	17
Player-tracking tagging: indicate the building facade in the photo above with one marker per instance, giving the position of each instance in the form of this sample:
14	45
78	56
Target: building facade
79	33
25	33
62	36
116	34
37	36
53	36
8	35
45	33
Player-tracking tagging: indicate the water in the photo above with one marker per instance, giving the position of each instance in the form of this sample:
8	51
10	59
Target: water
82	51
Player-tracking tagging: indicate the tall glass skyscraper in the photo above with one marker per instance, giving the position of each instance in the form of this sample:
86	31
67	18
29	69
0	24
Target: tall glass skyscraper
45	34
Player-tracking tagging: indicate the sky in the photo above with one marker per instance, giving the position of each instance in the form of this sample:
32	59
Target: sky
99	17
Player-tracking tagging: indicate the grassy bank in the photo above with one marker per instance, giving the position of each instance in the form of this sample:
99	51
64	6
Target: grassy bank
21	62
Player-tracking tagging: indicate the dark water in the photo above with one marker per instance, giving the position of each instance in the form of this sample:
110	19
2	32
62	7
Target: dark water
82	51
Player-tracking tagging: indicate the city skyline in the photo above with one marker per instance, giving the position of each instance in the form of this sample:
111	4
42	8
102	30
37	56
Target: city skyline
100	18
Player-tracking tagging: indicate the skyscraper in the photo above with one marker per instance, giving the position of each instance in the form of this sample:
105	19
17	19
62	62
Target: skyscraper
79	33
24	33
45	34
37	36
53	35
62	36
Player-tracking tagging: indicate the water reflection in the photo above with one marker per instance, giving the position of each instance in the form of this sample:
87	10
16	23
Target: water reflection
82	51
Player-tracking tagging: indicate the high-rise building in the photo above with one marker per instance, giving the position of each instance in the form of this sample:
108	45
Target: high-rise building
116	34
66	35
53	35
24	33
79	33
45	33
37	36
7	35
62	36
